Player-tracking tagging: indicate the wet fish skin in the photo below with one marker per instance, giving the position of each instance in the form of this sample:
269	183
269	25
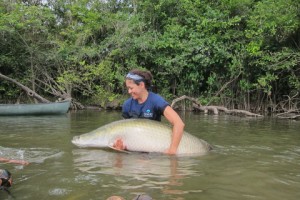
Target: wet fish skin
141	135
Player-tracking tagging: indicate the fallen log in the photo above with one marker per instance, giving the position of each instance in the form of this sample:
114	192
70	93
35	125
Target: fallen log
215	109
290	117
195	101
291	114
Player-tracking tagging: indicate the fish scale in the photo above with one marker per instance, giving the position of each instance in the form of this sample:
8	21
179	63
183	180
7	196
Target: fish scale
140	135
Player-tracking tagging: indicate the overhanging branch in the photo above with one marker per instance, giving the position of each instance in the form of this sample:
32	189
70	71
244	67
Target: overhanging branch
29	91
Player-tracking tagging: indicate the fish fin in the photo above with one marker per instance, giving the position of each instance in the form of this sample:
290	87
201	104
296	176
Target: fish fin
120	150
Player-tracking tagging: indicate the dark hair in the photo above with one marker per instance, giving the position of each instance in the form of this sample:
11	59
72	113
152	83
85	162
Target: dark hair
5	175
146	75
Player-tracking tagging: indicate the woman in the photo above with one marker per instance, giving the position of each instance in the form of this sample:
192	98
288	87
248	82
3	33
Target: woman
146	104
5	179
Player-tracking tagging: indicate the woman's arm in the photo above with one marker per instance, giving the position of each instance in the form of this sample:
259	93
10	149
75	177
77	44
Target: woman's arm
21	162
177	130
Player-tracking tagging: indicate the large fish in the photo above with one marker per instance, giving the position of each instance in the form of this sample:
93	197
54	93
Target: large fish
140	135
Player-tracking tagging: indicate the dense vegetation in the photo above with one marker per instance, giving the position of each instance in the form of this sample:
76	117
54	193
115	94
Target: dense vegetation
236	53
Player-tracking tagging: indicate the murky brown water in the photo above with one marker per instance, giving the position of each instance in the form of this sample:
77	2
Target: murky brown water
253	158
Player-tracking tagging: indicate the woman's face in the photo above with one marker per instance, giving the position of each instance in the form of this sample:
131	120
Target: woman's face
135	90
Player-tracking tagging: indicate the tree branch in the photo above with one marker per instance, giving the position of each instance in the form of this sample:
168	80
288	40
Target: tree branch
214	109
26	89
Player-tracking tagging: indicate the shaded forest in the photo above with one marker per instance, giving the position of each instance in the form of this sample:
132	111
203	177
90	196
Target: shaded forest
240	54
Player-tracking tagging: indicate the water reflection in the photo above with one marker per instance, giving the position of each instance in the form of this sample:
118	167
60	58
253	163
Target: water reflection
33	138
136	170
30	122
32	155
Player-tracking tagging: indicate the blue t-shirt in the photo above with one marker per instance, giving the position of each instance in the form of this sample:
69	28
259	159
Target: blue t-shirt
153	108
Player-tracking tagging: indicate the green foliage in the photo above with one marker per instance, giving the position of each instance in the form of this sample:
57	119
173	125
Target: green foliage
264	82
274	19
245	85
194	48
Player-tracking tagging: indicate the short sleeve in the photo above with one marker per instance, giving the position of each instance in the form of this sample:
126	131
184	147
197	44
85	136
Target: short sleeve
161	104
125	109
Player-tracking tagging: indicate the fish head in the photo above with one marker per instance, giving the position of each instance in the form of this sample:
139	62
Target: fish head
92	139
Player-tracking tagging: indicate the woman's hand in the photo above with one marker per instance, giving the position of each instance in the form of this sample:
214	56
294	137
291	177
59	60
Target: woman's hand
171	151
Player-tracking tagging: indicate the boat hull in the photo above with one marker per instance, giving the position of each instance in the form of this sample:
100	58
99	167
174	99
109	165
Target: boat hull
54	108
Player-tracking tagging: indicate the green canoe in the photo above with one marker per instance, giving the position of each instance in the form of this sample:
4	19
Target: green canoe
55	108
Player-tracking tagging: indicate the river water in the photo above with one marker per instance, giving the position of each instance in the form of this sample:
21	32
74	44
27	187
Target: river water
253	158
